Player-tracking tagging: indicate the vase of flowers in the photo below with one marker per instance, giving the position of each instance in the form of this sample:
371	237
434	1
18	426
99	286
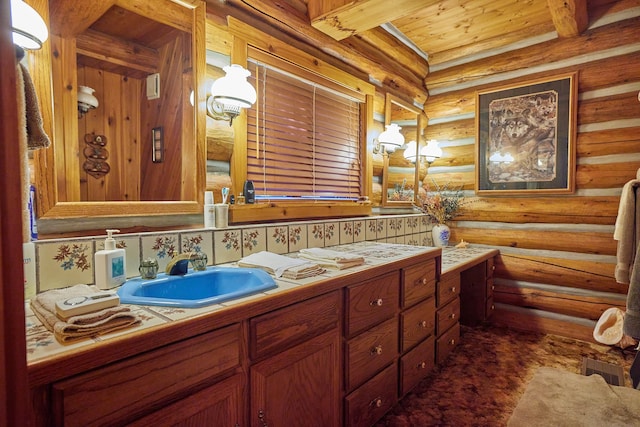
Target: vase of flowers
442	204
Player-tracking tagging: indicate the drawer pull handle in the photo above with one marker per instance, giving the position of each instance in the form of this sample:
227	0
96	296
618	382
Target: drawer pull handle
377	350
452	342
493	287
422	365
453	315
453	289
377	402
376	303
262	418
423	324
493	267
493	307
424	281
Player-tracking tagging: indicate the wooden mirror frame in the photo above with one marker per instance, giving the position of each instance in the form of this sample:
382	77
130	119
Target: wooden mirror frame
49	163
389	102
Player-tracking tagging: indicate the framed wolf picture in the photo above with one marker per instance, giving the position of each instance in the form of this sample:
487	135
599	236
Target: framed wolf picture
525	138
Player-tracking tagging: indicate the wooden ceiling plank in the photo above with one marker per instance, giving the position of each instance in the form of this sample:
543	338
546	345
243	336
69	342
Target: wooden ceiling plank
340	19
69	18
569	16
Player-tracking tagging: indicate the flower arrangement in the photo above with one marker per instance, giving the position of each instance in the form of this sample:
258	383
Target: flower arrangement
441	205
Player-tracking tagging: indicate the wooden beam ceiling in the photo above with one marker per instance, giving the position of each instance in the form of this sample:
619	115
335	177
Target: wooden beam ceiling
570	17
340	19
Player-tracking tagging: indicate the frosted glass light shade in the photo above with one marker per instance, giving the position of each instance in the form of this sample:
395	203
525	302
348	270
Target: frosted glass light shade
27	26
410	152
431	151
233	88
86	99
391	137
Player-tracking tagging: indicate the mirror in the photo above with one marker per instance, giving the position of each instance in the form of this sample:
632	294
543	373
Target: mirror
136	153
400	175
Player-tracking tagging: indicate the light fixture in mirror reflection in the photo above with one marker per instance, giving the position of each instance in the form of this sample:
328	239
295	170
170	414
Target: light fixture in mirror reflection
86	100
429	153
230	94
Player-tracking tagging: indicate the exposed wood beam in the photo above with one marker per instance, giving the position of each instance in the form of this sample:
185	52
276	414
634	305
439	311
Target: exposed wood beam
340	19
70	17
280	18
569	16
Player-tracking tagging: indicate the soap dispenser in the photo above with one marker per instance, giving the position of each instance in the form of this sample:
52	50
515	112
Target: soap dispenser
110	264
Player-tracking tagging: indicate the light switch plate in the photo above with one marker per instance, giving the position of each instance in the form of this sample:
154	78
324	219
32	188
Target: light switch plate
153	86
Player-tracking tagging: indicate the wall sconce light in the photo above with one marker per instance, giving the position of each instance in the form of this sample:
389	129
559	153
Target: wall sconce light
410	153
27	26
86	100
431	151
230	94
389	140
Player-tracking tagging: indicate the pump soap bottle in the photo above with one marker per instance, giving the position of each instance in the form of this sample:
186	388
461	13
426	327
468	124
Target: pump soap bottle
110	264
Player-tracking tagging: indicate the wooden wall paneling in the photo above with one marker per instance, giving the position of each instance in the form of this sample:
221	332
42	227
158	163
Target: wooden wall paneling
93	123
606	175
599	243
587	273
113	126
131	90
609	107
609	141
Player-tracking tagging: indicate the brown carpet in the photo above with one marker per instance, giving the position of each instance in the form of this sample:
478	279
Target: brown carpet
483	379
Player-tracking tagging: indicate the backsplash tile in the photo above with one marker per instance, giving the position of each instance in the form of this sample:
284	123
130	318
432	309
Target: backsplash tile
65	262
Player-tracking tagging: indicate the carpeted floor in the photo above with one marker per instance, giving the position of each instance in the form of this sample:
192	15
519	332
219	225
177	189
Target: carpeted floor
483	379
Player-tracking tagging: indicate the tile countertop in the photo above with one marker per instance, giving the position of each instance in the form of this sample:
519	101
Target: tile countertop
42	344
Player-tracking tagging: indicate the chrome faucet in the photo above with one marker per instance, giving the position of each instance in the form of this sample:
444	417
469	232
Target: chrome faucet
179	265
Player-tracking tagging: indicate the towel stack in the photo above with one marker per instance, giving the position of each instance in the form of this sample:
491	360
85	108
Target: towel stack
281	266
328	258
82	326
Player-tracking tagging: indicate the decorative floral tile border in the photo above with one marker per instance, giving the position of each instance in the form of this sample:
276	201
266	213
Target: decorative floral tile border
65	262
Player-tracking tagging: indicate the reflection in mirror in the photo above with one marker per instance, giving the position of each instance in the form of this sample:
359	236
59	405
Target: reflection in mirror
139	146
220	135
400	171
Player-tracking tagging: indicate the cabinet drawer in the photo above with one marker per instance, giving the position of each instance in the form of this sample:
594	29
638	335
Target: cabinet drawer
490	308
447	342
281	329
490	287
418	322
418	282
371	302
128	389
416	364
370	402
448	288
370	351
448	316
491	267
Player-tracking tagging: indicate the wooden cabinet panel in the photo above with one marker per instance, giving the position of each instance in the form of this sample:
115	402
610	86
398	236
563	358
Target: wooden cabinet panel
131	388
447	342
418	282
280	329
490	307
416	364
370	351
448	288
300	386
371	302
448	316
368	403
473	283
418	322
221	405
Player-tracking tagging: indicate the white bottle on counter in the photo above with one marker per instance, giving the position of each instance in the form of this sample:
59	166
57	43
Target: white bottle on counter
110	264
209	210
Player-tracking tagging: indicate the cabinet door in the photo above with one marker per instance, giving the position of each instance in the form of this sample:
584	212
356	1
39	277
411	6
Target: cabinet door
473	287
300	386
217	405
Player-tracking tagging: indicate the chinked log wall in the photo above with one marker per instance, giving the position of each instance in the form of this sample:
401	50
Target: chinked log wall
555	272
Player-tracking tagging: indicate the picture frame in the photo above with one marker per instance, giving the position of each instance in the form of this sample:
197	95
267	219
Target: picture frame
526	137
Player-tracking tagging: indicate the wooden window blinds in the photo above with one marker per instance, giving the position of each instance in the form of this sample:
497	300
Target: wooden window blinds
304	134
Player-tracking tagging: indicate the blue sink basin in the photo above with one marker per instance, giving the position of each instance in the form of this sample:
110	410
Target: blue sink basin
196	288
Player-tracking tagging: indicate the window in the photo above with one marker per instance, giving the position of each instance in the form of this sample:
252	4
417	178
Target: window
304	134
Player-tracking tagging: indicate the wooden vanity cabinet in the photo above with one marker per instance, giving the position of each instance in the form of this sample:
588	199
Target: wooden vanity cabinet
477	293
295	371
197	378
448	315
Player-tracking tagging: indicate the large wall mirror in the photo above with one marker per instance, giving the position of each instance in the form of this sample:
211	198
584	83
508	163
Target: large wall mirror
139	152
400	174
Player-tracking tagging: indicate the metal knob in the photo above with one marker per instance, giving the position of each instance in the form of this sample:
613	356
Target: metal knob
453	315
422	365
377	350
423	324
453	289
377	302
424	281
377	402
452	342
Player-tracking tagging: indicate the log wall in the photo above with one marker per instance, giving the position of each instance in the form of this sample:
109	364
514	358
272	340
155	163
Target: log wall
555	272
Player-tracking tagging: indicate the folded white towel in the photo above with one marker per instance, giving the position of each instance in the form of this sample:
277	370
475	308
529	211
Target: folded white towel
331	259
279	264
